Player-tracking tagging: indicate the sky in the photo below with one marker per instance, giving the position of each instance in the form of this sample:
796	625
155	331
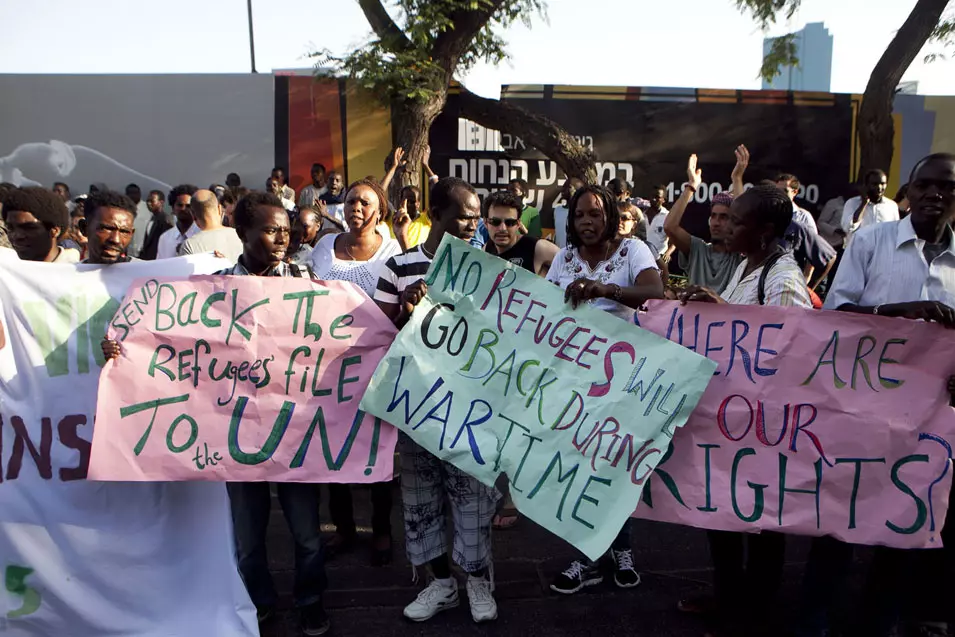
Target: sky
690	43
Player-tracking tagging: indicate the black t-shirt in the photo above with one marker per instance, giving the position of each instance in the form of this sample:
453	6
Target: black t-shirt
521	254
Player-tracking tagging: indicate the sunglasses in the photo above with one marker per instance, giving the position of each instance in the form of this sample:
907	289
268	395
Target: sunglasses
623	218
495	222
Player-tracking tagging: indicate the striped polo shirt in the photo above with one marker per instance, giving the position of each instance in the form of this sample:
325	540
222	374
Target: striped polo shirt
399	272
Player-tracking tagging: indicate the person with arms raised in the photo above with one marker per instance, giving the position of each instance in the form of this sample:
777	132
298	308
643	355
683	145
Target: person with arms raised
616	276
426	481
712	264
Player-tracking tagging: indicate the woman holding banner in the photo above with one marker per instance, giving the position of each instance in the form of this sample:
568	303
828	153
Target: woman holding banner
358	255
616	275
768	275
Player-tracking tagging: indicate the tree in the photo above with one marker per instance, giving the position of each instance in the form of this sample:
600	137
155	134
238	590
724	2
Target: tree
876	129
410	67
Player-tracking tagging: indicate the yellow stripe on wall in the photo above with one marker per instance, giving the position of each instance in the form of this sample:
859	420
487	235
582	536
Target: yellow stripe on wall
369	134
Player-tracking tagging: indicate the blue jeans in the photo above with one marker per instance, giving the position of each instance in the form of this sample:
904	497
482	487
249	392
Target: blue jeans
251	505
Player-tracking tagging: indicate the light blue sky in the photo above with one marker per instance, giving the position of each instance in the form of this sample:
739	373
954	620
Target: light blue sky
693	43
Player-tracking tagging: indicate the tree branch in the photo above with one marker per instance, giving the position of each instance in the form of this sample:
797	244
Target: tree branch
536	130
384	27
451	44
875	125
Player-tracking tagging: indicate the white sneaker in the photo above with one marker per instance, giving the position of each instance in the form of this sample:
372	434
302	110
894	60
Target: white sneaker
481	598
438	596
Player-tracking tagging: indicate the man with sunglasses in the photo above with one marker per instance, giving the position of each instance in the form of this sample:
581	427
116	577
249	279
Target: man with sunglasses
502	211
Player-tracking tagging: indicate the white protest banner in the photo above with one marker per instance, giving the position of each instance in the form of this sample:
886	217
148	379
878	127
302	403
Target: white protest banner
86	559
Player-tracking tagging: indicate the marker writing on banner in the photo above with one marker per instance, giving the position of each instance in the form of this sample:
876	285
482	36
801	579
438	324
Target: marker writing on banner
41	451
183	432
738	338
865	348
758	476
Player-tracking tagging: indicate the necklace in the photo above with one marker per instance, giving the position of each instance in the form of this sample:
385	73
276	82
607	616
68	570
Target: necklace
425	252
354	258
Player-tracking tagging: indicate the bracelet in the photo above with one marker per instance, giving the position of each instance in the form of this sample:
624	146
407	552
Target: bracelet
617	294
690	187
875	310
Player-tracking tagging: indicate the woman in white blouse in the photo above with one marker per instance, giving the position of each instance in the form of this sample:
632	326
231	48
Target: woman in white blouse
616	275
358	255
758	220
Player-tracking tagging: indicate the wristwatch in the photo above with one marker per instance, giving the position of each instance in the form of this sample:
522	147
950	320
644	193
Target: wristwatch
617	294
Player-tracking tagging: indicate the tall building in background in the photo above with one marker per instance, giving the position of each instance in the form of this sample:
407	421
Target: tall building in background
814	50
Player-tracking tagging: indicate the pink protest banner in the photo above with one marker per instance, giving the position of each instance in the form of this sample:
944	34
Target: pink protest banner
242	378
815	423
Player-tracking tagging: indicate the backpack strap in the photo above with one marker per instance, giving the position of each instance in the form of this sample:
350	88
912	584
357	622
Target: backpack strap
767	266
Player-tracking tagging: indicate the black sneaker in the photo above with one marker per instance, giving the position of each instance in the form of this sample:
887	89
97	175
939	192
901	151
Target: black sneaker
624	575
264	613
315	620
577	576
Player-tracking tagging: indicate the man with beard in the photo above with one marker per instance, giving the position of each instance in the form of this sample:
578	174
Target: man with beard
36	220
110	220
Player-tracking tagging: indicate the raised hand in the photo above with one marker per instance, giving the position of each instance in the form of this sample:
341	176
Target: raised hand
742	162
694	175
399	156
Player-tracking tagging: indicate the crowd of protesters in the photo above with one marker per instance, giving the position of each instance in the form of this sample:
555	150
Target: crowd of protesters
862	253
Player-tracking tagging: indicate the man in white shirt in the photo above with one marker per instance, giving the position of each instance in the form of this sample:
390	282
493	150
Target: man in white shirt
656	214
790	185
213	236
869	208
180	198
309	194
906	269
143	217
567	190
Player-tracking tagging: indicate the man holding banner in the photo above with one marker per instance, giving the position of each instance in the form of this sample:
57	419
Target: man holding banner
263	226
426	481
883	269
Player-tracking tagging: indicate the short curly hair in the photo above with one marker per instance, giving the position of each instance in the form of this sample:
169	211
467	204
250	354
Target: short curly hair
181	189
107	199
43	204
244	214
442	195
611	215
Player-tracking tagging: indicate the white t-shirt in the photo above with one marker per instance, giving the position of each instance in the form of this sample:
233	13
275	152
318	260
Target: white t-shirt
171	239
623	267
223	240
656	235
364	274
885	210
560	226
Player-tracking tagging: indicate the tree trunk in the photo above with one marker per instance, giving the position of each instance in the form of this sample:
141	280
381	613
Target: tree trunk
538	131
411	123
875	125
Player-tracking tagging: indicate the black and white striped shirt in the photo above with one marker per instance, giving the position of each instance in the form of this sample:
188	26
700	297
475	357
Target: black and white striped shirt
399	272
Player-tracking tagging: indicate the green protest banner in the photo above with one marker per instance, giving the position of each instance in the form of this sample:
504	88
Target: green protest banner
496	373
